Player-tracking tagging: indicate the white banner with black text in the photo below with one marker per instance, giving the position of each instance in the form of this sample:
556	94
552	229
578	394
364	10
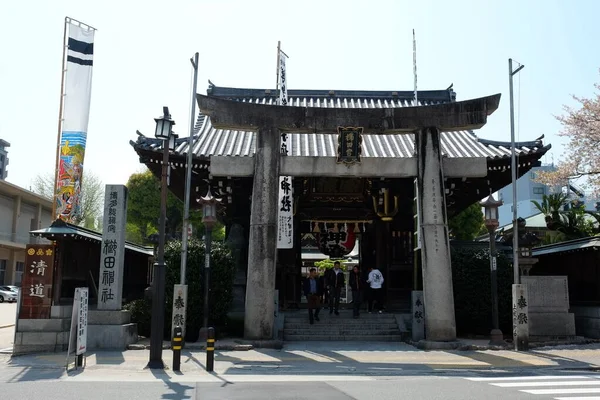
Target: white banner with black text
76	113
285	220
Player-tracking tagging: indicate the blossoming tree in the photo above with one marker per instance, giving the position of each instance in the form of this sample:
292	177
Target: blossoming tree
582	157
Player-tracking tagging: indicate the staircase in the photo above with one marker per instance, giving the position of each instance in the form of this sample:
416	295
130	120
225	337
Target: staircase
369	327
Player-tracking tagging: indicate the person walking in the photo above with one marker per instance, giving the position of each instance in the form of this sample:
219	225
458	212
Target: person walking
357	284
375	282
313	290
336	281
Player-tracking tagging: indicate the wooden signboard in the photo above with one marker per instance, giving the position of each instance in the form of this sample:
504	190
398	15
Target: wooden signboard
36	287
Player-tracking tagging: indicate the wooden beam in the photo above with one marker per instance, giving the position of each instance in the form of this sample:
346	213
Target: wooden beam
236	115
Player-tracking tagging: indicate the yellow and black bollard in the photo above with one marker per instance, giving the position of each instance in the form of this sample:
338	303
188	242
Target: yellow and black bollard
176	345
210	349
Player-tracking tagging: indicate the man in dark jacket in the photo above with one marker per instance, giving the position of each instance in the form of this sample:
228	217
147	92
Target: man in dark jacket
357	284
313	290
335	281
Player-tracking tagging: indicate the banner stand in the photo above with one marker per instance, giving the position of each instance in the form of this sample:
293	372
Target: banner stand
78	331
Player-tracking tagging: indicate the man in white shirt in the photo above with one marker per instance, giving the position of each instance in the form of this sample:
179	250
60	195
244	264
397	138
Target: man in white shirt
375	281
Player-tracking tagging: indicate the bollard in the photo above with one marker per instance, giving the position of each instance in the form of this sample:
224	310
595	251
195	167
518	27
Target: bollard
176	345
210	349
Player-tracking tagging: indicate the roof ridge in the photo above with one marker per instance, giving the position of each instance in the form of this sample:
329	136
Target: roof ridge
446	95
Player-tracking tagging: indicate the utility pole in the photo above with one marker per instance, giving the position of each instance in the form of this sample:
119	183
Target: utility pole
513	168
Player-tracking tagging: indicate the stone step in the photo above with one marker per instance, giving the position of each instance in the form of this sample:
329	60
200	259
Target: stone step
354	338
365	326
357	322
319	331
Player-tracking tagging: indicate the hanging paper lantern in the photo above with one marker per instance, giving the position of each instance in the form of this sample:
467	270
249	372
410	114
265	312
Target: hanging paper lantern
335	243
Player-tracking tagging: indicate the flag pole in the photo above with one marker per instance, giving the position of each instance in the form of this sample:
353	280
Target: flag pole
60	114
277	69
415	67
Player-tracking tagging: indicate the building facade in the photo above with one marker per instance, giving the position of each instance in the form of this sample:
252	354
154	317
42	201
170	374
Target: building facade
528	190
21	211
3	159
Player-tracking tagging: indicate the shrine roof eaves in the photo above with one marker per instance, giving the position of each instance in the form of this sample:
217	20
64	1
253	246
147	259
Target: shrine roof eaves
298	96
210	141
63	229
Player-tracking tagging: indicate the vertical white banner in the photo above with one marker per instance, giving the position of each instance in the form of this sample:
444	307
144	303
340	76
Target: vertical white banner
82	320
112	255
415	67
77	93
285	231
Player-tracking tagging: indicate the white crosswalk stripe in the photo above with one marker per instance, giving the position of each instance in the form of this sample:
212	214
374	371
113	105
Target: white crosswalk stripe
567	387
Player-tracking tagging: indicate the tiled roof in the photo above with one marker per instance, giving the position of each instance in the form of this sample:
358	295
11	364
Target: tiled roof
209	141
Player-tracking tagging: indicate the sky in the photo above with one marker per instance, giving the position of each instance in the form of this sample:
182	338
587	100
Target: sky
142	51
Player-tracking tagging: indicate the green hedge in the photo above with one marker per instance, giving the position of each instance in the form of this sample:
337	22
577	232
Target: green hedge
472	290
222	273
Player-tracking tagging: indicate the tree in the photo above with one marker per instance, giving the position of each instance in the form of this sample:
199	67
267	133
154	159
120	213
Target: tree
582	157
143	210
92	197
467	224
566	219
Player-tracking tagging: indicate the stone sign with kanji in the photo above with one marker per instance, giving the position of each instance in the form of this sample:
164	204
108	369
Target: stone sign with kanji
112	251
179	308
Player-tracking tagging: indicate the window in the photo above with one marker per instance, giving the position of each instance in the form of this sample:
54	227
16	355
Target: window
2	271
20	267
539	190
533	175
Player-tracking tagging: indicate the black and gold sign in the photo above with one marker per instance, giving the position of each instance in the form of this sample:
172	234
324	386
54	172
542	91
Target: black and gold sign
349	145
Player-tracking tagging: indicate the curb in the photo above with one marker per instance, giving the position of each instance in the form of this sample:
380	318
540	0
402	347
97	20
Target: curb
240	345
6	326
509	346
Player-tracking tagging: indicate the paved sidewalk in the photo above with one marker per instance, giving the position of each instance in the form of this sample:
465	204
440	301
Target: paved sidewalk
308	360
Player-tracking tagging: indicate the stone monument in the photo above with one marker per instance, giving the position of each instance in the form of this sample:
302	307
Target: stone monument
549	315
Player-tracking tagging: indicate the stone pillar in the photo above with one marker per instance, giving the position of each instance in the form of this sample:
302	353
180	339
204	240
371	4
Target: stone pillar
11	267
112	252
15	220
440	324
262	251
418	314
520	306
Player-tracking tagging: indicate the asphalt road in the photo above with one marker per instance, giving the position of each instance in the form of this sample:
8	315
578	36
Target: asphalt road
40	383
7	313
7	317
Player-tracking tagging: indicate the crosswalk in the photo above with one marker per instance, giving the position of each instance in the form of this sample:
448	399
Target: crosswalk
558	387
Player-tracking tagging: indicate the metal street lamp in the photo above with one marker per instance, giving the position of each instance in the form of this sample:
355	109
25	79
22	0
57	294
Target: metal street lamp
209	219
163	132
491	206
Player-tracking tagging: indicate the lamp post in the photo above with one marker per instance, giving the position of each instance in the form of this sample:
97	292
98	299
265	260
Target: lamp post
491	222
163	132
209	219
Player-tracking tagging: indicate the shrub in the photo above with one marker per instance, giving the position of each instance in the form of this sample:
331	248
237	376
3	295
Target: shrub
141	314
222	273
472	290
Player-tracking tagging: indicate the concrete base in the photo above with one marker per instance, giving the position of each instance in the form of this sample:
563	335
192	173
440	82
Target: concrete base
587	321
433	345
38	342
551	324
111	337
496	338
107	330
